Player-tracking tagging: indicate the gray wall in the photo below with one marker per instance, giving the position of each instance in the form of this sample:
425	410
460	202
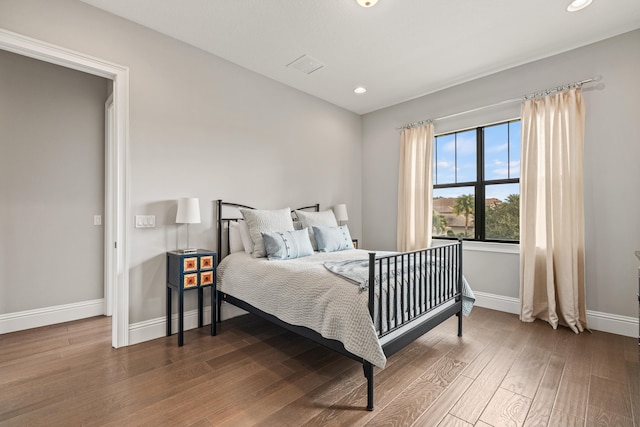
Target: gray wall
203	127
52	174
612	175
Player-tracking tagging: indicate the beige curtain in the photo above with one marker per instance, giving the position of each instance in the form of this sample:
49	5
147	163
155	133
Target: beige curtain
415	188
552	210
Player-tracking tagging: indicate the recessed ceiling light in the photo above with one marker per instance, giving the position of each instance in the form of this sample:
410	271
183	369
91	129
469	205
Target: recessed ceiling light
577	5
359	90
367	3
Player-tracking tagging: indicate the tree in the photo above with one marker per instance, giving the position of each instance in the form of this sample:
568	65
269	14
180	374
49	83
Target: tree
465	205
503	219
439	223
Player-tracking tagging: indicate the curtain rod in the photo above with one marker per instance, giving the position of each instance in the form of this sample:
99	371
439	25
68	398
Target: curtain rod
507	101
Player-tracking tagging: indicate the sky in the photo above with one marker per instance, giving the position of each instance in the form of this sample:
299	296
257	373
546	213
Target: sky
455	160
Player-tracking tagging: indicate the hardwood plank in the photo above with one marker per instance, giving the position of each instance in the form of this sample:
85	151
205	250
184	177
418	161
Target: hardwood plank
506	409
573	391
470	406
540	411
470	346
451	421
545	337
559	418
611	396
601	417
633	375
608	360
526	372
422	393
440	408
478	364
515	339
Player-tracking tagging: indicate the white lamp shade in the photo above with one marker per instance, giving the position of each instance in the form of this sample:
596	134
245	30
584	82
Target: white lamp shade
188	211
340	211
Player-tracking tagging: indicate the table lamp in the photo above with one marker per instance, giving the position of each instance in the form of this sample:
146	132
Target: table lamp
188	213
340	211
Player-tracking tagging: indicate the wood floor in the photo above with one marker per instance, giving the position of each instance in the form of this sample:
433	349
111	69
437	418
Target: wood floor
500	373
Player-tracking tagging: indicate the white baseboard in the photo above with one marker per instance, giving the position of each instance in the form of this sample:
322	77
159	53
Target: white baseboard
21	320
613	323
497	302
597	321
605	322
156	328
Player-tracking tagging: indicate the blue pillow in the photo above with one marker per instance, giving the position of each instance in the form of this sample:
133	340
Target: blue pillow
331	239
287	244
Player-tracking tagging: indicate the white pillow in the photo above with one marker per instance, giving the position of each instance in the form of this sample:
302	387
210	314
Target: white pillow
245	236
235	241
331	239
261	221
316	219
287	244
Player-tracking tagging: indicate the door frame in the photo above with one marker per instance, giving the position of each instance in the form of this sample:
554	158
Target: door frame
117	223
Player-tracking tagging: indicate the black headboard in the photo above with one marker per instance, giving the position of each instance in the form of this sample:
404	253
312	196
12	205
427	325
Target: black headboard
222	220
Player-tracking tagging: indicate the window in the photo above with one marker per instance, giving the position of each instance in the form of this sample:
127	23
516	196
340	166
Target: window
476	176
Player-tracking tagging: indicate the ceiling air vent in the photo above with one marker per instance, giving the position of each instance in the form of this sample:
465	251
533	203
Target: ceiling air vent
306	64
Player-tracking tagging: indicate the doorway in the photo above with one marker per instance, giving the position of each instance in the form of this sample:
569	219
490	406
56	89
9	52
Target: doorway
116	177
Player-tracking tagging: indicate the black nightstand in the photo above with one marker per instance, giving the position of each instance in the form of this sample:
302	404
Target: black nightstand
186	272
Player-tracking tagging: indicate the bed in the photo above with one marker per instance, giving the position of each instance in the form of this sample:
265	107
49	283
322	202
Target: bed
364	305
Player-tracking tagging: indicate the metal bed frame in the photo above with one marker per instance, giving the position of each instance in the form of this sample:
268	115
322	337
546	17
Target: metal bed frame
433	291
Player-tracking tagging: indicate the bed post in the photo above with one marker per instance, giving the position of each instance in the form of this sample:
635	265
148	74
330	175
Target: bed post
219	255
368	367
219	224
368	373
460	285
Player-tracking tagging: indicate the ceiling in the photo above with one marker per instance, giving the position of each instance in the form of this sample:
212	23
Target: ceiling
398	49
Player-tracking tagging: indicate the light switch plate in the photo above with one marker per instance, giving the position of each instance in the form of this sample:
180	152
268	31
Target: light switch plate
97	220
145	221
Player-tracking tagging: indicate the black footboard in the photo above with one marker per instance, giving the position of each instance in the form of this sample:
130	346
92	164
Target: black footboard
407	286
411	293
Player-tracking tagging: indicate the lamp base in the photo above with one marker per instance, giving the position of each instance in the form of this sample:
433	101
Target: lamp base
188	251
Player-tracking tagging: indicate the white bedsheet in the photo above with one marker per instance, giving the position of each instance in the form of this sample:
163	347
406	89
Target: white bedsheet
323	302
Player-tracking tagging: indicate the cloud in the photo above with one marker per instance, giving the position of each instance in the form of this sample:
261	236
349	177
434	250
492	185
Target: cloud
501	169
497	148
465	142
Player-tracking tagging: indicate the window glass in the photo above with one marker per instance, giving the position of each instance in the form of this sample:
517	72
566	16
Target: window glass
453	212
502	213
445	159
466	146
496	152
514	149
458	183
